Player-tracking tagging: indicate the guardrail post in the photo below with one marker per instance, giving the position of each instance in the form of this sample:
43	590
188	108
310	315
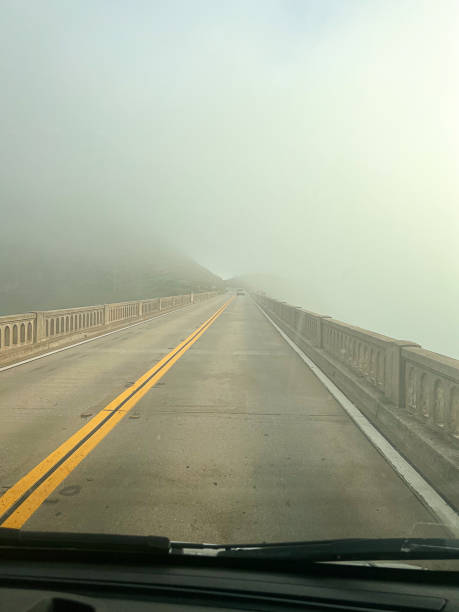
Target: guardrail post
39	327
140	309
395	382
106	314
320	332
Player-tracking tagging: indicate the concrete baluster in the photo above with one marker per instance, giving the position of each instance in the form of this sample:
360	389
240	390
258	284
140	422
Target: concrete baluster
106	314
39	327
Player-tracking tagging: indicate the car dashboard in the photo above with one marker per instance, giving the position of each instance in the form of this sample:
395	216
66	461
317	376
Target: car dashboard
47	584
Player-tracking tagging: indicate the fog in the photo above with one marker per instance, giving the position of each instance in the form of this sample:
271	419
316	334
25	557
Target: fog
312	142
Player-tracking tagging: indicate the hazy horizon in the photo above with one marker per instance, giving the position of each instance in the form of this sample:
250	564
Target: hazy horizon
313	142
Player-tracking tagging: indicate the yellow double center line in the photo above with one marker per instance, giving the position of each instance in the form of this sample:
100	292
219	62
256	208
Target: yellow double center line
20	501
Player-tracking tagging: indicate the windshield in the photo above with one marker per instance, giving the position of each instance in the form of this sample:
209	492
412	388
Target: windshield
228	270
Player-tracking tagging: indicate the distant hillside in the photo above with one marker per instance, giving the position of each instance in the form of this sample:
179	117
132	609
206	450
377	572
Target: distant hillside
37	277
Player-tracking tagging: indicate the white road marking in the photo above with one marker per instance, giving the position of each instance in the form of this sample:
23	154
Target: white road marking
115	331
446	515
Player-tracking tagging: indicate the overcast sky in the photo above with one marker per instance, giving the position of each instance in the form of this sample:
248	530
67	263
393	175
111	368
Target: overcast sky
316	141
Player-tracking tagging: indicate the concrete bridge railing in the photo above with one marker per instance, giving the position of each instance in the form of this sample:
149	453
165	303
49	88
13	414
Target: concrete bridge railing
410	394
22	335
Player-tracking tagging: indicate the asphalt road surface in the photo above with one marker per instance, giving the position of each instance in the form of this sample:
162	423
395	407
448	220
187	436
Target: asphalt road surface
217	433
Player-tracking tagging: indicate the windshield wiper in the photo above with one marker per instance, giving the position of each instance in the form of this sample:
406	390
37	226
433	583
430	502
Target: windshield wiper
358	549
14	538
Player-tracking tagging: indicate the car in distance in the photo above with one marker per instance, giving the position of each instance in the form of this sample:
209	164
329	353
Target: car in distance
240	292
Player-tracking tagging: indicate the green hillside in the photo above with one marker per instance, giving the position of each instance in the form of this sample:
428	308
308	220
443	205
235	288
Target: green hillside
35	277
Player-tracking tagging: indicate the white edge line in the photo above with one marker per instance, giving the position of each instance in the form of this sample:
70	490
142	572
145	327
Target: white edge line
115	331
420	487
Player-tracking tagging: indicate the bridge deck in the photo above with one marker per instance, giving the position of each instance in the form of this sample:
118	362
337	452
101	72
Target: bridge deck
237	441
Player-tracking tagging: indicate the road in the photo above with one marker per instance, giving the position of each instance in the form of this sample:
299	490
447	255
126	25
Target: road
233	440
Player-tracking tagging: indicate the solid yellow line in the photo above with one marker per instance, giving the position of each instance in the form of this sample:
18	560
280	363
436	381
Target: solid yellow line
37	497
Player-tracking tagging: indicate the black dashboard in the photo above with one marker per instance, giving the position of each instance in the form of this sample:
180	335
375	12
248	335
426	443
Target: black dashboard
48	583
